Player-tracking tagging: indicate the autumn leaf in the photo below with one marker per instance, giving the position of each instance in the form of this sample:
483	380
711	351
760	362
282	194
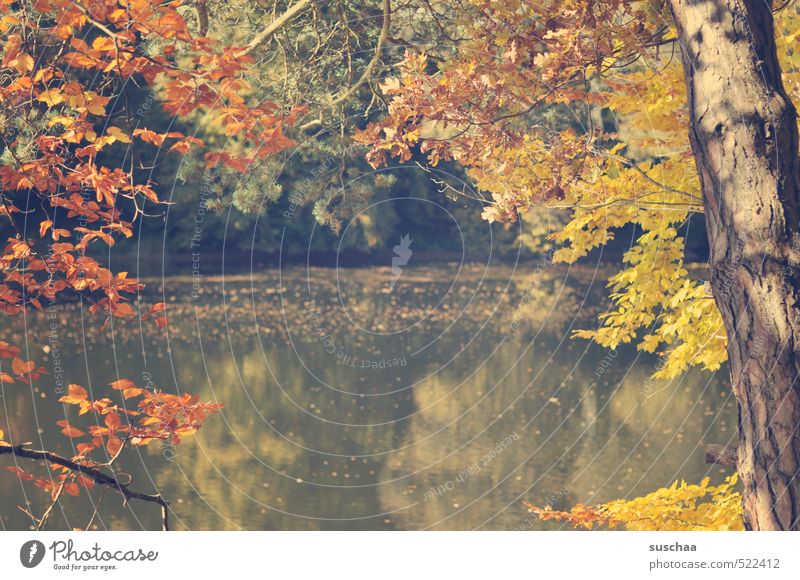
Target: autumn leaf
21	367
21	473
113	445
113	422
118	134
69	430
8	351
44	226
72	489
87	482
84	448
51	97
76	394
24	63
122	384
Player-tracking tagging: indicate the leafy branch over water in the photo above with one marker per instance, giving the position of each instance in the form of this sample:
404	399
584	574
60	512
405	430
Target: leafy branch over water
679	507
157	416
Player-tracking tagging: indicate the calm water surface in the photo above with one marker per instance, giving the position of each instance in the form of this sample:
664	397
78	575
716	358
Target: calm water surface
442	403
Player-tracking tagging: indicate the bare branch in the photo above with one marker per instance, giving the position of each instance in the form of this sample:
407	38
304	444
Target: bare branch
274	26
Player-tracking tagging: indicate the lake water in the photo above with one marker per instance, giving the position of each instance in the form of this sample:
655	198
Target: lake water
440	403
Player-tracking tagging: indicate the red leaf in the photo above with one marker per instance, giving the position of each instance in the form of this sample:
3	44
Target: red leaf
114	444
72	489
113	421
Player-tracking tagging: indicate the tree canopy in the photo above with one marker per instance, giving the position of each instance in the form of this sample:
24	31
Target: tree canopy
577	107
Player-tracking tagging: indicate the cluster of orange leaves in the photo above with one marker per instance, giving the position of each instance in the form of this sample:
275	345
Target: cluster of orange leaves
475	107
66	479
46	57
21	370
156	416
65	67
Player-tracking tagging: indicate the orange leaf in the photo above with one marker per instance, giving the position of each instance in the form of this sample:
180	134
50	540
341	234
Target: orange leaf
114	444
134	392
113	421
155	309
122	384
69	430
21	473
84	448
75	395
72	489
87	482
21	367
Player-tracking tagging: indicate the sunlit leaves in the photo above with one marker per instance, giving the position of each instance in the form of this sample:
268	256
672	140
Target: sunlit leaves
63	108
578	108
157	416
680	507
110	427
59	162
76	395
158	313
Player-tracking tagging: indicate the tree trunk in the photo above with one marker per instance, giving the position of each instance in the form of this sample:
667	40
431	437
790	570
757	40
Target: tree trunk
744	138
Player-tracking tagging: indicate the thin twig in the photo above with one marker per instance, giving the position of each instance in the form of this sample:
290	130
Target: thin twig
93	473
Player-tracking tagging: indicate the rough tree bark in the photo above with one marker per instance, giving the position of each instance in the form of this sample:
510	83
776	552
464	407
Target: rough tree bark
745	142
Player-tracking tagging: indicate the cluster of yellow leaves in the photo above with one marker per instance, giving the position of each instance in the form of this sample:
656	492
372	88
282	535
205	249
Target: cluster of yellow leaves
649	105
654	292
655	300
654	297
679	507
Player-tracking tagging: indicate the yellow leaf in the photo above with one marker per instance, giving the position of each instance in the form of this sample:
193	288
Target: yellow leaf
52	97
118	134
24	63
96	108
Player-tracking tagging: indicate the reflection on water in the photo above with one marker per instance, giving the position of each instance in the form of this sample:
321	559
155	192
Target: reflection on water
441	403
